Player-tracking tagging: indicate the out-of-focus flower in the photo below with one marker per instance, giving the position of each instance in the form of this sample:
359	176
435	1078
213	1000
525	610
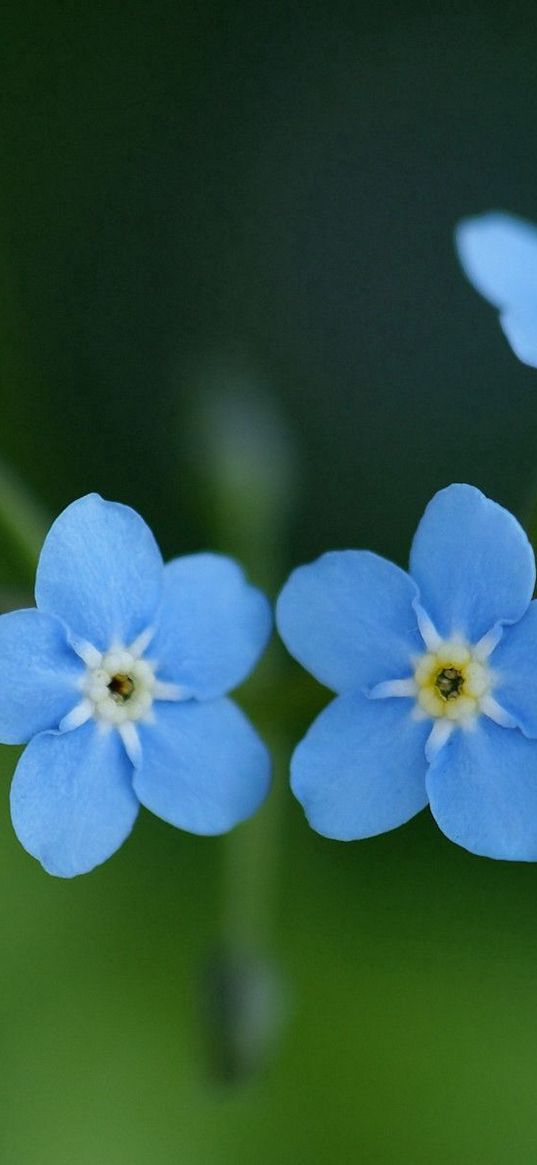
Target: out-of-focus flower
118	681
435	672
499	255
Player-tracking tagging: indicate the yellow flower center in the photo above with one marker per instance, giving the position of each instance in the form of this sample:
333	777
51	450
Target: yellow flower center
451	681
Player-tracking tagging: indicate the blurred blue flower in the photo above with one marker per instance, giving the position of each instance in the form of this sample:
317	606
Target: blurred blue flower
499	255
118	681
436	675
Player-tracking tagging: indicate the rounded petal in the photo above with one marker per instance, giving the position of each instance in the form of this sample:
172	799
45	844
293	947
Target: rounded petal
472	562
72	803
40	673
514	664
213	625
520	327
100	571
360	769
348	618
203	766
498	253
483	791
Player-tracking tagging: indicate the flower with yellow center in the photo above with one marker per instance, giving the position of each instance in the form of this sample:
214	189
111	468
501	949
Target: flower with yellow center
434	679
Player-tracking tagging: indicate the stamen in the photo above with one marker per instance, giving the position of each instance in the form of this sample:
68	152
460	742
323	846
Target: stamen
121	685
449	682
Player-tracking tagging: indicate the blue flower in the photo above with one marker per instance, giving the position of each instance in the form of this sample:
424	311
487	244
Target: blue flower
117	679
499	255
436	675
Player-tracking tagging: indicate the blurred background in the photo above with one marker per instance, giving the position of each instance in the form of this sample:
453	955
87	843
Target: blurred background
230	299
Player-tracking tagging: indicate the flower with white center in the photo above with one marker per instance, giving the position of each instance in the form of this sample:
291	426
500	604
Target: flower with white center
498	253
118	682
436	681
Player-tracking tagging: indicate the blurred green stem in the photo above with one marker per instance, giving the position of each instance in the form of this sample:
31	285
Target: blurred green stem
251	851
248	466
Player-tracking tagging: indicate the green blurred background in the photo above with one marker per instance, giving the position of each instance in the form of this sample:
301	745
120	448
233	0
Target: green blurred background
230	299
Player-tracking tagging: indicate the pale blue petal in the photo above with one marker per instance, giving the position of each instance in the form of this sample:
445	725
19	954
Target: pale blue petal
360	770
498	253
472	562
72	802
348	618
514	665
39	675
213	625
100	571
520	327
483	791
203	767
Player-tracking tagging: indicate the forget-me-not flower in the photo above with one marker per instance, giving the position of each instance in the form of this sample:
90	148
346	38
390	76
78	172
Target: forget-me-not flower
499	255
118	681
436	675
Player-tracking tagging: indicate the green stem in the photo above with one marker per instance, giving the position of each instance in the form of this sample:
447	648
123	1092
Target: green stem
251	852
249	467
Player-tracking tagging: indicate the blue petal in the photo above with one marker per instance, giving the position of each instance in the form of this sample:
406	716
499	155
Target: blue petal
348	618
72	803
360	769
203	767
499	255
39	671
520	326
483	791
100	571
472	562
514	664
213	625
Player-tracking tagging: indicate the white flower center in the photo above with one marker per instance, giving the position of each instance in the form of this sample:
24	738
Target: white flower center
120	688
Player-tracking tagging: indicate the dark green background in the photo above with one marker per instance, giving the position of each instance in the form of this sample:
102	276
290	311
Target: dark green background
264	196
